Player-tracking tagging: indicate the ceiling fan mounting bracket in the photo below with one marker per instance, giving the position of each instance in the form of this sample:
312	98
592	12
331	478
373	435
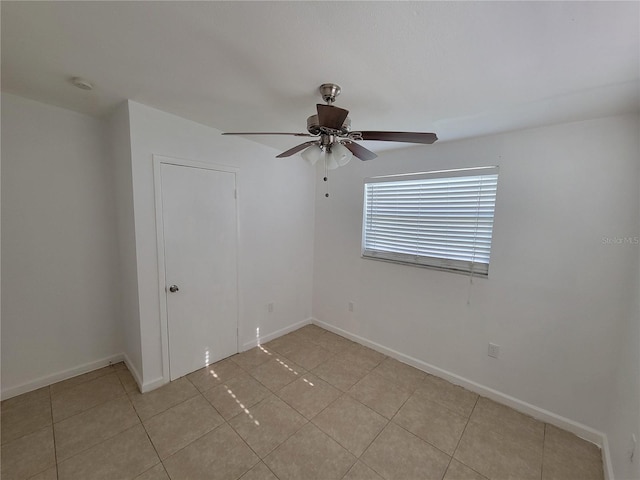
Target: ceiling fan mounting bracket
329	92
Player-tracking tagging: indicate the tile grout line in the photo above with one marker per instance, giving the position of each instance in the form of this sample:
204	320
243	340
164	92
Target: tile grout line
143	428
84	383
53	433
268	468
422	439
261	459
38	428
462	435
307	421
225	421
369	446
544	439
380	432
360	459
53	423
79	452
345	394
427	442
498	432
333	355
180	403
247	444
168	408
447	406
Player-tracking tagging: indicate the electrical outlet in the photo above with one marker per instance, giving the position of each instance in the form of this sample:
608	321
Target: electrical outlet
494	350
270	307
352	306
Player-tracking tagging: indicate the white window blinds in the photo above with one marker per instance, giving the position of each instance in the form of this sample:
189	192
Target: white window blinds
439	219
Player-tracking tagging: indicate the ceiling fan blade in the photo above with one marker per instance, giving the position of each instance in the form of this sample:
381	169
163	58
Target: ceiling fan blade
268	133
408	137
360	152
295	149
331	117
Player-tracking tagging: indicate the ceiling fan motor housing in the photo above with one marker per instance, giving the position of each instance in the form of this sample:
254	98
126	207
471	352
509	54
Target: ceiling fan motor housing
313	126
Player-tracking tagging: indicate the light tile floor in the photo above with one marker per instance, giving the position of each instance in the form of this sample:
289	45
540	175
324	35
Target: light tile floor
308	405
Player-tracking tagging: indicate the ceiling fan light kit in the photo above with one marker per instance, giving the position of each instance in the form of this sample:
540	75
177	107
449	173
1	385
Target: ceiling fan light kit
312	154
340	154
335	141
336	155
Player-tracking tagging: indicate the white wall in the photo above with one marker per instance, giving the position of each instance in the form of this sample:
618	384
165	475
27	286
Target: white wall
120	143
624	411
557	299
275	226
59	254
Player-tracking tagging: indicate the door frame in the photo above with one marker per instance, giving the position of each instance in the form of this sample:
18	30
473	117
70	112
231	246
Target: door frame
158	161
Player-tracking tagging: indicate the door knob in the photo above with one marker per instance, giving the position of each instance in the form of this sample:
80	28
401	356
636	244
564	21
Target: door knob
173	288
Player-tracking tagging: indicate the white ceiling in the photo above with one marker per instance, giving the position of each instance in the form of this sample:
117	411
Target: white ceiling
459	69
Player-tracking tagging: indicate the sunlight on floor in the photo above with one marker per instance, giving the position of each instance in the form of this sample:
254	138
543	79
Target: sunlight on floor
234	396
286	366
244	409
264	350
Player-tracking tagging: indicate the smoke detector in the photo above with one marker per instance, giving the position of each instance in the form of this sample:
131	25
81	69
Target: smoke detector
82	83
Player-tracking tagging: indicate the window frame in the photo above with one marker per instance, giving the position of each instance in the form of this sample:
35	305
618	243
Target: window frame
466	266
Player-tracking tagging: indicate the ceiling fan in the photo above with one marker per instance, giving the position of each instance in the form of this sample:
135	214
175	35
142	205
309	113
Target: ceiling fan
334	138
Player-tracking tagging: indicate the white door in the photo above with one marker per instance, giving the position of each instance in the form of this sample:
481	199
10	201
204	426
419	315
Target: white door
199	229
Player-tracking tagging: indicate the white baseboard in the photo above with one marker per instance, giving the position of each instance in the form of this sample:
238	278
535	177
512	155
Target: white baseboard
133	370
278	333
606	459
152	385
60	376
579	429
85	368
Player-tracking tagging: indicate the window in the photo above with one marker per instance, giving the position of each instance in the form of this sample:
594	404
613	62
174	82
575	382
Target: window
440	219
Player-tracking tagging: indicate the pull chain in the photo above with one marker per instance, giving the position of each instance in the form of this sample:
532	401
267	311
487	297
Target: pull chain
326	178
470	284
